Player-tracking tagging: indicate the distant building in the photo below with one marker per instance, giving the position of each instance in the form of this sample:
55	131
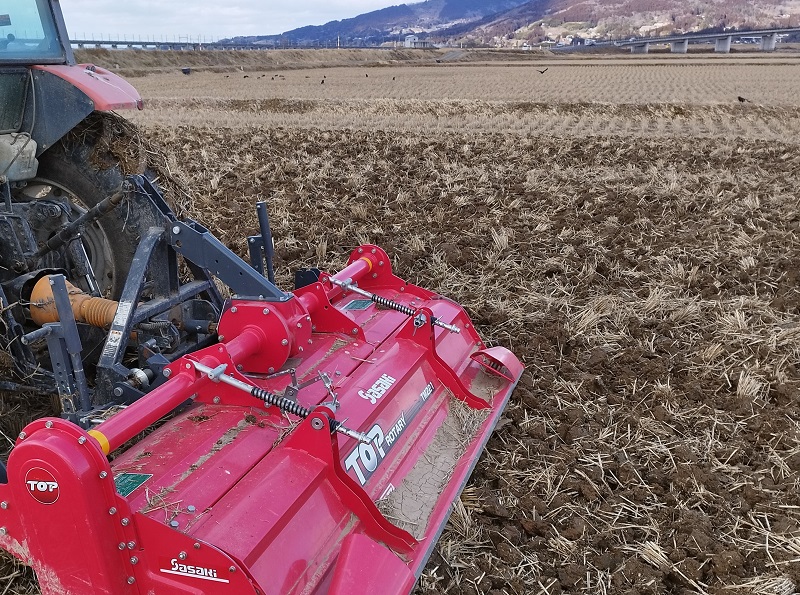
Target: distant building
412	41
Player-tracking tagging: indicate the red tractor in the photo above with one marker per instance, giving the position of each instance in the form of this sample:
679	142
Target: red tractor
284	443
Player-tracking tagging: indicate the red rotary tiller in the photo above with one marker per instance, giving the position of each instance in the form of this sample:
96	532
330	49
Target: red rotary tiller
308	442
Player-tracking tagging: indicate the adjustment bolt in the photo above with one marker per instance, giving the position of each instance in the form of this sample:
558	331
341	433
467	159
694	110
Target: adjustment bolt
285	342
299	325
3	531
355	331
48	424
265	310
131	580
22	435
380	263
103	474
182	555
361	250
131	545
134	560
176	230
239	367
125	522
197	546
300	349
118	392
221	337
271	370
216	400
234	310
82	440
373	251
121	545
191	508
232	569
316	423
4	505
167	372
310	341
112	510
174	524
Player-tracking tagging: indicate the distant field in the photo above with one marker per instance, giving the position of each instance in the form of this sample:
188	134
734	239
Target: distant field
587	96
625	225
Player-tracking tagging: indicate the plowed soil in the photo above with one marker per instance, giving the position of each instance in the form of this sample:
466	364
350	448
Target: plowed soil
651	287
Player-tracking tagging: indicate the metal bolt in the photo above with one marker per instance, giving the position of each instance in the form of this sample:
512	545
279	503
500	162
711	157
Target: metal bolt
313	327
3	531
112	510
221	337
239	367
167	372
121	545
374	275
232	569
131	580
380	263
191	508
48	424
176	230
131	545
300	349
103	474
285	342
299	325
197	546
22	435
4	505
125	522
182	555
338	372
310	341
234	310
271	370
117	392
361	250
82	439
355	331
216	400
265	311
316	423
174	524
373	251
188	366
134	560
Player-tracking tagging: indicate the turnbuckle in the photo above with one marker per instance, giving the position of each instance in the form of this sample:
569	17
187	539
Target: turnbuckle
218	375
390	304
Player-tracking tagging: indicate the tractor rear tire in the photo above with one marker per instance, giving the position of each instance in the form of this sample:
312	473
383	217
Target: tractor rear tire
88	165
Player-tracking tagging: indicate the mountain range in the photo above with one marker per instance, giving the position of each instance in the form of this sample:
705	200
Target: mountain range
504	23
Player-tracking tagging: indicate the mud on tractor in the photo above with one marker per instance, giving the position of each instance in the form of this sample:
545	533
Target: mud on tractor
268	442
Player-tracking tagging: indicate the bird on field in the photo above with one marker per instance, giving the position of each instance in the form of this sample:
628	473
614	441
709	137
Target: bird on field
272	79
543	71
247	76
741	99
393	78
322	82
366	75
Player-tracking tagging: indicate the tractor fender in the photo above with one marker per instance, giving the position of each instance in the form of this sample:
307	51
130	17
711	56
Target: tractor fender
106	90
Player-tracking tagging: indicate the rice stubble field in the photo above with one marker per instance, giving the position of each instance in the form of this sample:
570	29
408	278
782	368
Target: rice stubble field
641	255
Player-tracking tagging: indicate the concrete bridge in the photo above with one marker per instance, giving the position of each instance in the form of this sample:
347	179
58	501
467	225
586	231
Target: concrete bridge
679	44
162	45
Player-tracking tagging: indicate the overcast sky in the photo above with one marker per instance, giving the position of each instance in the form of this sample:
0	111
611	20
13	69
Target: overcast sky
207	18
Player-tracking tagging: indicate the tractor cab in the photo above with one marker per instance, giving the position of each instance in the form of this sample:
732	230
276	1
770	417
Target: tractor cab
33	32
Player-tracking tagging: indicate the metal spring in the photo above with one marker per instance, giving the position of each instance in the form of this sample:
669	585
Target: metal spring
387	303
280	402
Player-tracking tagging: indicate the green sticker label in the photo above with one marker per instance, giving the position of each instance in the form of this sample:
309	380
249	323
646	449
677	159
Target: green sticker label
358	305
126	483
